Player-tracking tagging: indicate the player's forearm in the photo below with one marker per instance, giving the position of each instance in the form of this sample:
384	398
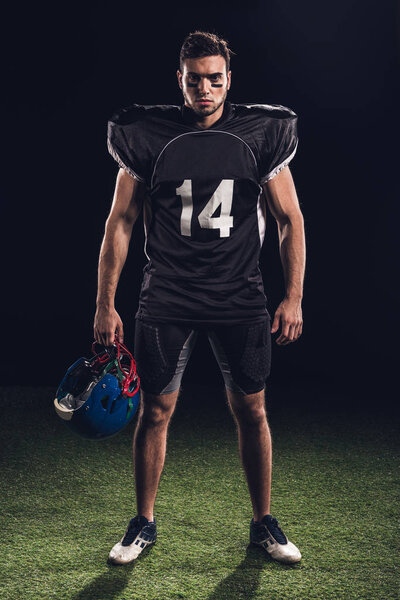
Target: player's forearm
113	253
293	255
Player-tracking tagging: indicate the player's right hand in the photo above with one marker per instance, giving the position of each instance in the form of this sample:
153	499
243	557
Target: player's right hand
107	325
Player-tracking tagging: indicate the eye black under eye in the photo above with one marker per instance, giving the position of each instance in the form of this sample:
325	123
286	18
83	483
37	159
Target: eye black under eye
215	80
193	80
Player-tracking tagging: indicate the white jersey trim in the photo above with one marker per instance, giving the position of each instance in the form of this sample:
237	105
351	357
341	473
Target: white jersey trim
279	168
147	218
261	219
116	157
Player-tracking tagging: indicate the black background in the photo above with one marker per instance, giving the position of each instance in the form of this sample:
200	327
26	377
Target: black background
66	68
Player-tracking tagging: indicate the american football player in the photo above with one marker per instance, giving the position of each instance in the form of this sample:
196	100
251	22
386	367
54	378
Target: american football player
203	173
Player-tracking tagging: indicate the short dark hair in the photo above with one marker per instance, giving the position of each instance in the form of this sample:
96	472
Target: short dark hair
204	43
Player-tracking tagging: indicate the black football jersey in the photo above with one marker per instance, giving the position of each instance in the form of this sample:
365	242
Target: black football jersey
204	220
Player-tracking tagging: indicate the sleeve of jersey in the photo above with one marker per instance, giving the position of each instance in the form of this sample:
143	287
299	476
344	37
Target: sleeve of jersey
125	149
281	145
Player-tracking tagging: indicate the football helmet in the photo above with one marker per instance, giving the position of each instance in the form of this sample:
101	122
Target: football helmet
99	396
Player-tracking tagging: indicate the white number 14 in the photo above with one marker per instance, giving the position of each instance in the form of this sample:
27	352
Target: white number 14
222	196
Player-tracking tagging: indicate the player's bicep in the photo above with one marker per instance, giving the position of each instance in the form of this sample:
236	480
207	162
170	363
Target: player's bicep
128	198
281	197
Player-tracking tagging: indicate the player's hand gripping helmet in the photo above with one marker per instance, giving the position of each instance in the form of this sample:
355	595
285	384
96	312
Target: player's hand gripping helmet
100	395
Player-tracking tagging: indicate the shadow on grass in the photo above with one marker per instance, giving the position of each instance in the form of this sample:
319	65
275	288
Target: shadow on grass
106	586
244	582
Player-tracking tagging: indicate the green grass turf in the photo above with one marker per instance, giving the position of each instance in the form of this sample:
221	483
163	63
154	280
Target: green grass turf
65	501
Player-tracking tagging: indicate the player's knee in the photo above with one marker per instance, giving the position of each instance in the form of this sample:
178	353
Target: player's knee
254	416
156	411
250	413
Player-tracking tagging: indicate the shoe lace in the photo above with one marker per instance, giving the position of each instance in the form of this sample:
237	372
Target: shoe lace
276	531
133	529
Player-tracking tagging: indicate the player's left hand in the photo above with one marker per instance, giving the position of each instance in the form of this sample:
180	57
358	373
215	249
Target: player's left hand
289	316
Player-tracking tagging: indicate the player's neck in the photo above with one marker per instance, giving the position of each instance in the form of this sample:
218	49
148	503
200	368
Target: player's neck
209	120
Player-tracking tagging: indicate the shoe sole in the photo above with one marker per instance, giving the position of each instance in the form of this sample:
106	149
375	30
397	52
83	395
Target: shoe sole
144	552
283	562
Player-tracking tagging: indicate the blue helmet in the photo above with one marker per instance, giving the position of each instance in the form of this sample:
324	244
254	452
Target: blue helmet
99	396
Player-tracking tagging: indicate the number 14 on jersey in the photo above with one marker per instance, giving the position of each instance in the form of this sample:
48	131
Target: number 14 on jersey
222	196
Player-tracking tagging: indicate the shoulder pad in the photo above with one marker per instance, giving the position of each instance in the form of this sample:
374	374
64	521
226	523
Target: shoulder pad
140	112
276	111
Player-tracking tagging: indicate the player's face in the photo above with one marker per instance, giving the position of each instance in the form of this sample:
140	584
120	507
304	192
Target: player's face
204	84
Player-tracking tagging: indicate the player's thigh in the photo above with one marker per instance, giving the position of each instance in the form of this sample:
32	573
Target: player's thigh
243	352
162	351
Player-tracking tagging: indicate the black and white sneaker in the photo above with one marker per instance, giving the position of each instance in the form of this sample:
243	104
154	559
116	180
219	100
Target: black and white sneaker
139	534
267	534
